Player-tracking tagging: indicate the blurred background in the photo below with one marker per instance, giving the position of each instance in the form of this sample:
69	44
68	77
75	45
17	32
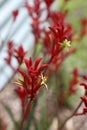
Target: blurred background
20	32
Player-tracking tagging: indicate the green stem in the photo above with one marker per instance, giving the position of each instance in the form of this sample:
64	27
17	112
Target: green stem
26	111
31	115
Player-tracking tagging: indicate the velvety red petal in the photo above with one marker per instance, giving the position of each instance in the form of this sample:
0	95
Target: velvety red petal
42	67
85	77
37	61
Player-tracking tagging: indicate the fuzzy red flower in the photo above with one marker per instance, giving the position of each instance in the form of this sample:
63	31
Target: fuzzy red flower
15	14
57	17
49	3
36	28
73	82
10	50
84	84
19	54
83	27
84	99
61	33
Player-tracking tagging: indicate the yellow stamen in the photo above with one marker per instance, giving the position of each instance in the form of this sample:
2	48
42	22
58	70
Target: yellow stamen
66	43
20	82
43	82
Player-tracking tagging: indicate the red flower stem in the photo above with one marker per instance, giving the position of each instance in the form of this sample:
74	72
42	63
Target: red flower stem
26	111
62	126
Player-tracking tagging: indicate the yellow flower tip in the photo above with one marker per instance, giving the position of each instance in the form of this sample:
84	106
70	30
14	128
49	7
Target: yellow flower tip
66	43
44	80
20	82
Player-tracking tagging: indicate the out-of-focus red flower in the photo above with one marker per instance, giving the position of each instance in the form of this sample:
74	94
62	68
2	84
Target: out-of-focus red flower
20	54
74	82
61	33
61	28
85	77
48	3
75	72
10	50
57	39
84	84
63	96
83	27
84	110
15	14
59	59
17	53
61	38
36	28
47	42
57	17
34	10
35	13
84	99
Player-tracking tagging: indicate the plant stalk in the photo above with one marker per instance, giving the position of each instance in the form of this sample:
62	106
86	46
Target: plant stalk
62	126
26	111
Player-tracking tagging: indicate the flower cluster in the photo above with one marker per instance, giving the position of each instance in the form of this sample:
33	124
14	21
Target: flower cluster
60	34
18	53
55	41
35	11
32	79
10	49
